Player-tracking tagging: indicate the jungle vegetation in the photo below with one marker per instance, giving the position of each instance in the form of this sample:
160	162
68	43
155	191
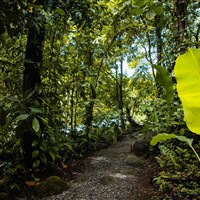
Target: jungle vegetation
66	84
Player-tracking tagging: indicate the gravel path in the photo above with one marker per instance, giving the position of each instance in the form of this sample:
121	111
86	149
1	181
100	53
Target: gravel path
105	176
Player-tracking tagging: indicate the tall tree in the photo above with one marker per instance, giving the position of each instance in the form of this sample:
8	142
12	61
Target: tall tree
181	17
158	25
33	65
121	102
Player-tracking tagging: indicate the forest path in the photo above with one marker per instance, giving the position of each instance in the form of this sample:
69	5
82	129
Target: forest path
109	175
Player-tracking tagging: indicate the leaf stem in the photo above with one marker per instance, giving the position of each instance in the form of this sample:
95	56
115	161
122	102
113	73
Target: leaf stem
195	152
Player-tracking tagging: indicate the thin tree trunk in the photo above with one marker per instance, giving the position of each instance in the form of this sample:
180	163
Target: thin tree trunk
181	15
197	36
121	102
89	114
158	40
72	104
159	49
32	64
93	95
117	85
90	105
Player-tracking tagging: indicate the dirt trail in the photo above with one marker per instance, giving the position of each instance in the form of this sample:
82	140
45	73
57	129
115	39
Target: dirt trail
107	176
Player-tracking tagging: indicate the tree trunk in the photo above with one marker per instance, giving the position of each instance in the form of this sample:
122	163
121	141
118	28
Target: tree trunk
181	15
159	50
158	40
72	104
197	36
89	115
117	85
90	106
32	64
121	103
133	124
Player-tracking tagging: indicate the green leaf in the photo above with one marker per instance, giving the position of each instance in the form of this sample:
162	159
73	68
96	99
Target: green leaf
69	146
182	131
187	73
52	156
45	121
133	64
28	95
138	2
92	82
43	158
43	147
163	78
35	143
36	125
161	137
60	11
36	164
29	61
38	133
35	110
164	137
150	15
185	139
12	99
136	11
21	117
35	153
158	10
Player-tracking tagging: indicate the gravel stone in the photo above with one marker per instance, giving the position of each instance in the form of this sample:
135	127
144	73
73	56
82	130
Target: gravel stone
108	164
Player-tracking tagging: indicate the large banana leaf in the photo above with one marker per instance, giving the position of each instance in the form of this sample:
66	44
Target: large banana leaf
164	79
187	72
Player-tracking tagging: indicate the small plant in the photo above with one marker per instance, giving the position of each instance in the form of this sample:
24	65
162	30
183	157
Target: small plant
179	171
164	137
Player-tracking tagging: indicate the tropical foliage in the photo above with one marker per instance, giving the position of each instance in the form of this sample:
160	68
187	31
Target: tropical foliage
66	88
187	74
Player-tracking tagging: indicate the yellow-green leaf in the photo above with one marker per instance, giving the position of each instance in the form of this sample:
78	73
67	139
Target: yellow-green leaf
36	164
133	64
35	154
52	156
36	125
60	11
21	117
35	110
43	146
161	137
69	146
164	136
34	143
163	78
43	158
187	72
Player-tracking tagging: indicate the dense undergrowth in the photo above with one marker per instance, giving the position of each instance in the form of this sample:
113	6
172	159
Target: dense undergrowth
63	149
178	176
